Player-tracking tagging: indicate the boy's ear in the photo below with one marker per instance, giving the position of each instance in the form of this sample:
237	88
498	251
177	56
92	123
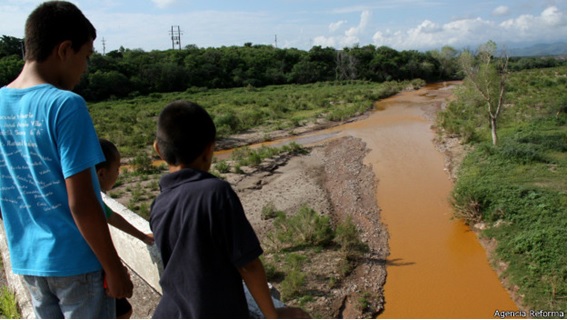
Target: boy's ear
63	48
157	149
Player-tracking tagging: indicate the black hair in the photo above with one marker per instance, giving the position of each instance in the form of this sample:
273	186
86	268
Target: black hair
53	22
183	132
111	154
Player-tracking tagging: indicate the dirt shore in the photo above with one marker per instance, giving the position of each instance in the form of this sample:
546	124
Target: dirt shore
333	181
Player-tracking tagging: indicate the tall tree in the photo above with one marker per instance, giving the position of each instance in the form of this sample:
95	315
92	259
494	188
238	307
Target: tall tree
487	76
11	46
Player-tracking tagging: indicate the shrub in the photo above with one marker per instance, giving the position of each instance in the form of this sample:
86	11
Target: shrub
222	166
8	305
142	164
305	228
347	236
269	211
292	285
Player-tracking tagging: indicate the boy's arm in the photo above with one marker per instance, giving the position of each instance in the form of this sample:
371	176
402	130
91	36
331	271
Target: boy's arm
253	274
117	221
90	220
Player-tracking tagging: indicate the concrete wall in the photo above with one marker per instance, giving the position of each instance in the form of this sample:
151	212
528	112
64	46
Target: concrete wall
143	259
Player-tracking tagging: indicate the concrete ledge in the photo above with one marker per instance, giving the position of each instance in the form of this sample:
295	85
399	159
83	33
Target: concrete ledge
143	259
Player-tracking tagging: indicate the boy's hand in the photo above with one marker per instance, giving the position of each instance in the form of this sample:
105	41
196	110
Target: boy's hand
119	285
149	239
292	313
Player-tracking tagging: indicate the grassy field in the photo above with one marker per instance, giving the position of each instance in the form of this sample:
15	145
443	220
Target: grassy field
131	123
518	188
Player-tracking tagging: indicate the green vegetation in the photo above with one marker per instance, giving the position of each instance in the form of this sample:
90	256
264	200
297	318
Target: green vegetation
245	156
518	187
131	123
305	228
296	241
8	305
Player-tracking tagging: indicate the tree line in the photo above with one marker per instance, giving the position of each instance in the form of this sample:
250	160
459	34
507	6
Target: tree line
133	72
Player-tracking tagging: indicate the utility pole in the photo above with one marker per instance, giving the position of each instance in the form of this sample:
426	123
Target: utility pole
275	41
175	34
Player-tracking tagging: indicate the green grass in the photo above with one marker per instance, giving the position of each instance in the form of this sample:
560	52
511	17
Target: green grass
131	123
8	305
518	188
297	238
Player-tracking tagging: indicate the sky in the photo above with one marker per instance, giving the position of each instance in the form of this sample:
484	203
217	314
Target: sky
399	24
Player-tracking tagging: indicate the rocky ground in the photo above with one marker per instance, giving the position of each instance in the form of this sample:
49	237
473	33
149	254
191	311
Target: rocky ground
333	181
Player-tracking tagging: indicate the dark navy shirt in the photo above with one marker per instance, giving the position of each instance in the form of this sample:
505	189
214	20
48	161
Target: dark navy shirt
203	235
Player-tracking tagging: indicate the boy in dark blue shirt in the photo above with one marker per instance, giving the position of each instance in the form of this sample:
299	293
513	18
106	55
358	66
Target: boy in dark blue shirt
207	244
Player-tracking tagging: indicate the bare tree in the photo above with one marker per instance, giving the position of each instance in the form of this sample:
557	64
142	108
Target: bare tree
487	76
345	66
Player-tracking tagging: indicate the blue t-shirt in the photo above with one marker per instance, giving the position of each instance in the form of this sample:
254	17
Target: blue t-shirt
46	136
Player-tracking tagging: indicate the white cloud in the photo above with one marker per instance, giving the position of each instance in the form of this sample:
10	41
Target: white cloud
350	37
553	17
501	11
550	25
163	3
335	25
534	26
324	41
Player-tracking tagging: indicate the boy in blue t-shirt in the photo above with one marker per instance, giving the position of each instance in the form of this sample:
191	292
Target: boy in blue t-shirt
50	199
207	244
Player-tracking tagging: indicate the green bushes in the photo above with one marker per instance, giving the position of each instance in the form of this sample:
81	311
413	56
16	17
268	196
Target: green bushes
298	237
247	156
305	228
131	123
347	236
8	305
518	189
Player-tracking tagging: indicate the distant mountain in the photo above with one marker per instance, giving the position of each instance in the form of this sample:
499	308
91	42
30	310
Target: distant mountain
539	49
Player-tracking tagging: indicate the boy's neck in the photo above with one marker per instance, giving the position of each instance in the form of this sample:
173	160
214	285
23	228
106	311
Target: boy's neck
33	73
194	166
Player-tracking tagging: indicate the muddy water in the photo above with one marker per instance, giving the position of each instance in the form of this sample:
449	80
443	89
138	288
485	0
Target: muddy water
436	267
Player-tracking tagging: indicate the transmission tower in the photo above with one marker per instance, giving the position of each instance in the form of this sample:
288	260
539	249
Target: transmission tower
103	41
175	36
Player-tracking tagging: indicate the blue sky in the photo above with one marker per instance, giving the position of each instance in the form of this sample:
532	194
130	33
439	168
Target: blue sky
399	24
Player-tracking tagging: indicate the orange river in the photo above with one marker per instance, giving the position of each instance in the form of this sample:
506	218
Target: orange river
437	268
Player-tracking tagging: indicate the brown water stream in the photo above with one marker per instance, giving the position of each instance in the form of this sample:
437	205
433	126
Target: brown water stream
437	267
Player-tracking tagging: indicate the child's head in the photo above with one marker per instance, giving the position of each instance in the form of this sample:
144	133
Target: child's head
108	170
52	23
184	133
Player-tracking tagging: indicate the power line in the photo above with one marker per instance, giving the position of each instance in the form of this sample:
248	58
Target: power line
175	36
